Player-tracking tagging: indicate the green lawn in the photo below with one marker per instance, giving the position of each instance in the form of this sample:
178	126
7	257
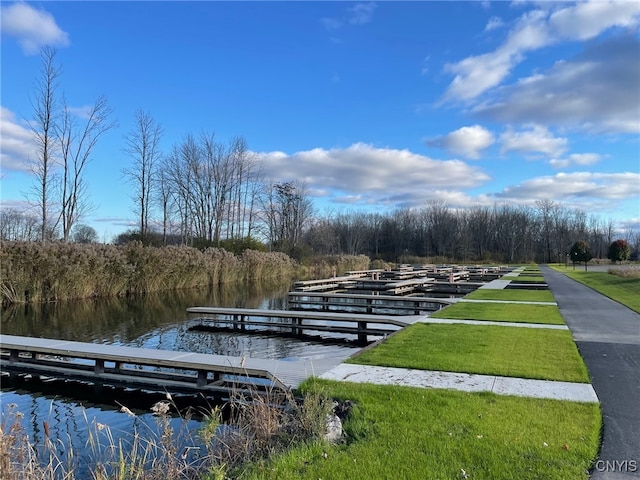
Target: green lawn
410	433
502	312
622	290
520	295
492	350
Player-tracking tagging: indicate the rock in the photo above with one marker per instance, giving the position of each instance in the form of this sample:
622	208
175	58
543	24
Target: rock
342	409
334	428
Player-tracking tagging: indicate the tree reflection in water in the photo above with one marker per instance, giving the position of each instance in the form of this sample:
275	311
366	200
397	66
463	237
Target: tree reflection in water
150	321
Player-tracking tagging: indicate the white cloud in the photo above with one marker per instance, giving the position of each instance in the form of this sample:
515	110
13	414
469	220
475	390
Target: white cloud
581	159
372	176
33	28
474	75
533	30
586	20
597	91
17	146
84	111
361	13
493	23
466	141
584	190
536	140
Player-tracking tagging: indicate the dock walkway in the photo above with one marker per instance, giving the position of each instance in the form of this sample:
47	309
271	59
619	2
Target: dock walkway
358	303
152	369
296	321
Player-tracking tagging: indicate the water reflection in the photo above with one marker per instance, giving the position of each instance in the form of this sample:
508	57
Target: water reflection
153	321
122	320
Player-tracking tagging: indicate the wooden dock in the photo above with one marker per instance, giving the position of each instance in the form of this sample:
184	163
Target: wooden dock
155	370
296	321
368	304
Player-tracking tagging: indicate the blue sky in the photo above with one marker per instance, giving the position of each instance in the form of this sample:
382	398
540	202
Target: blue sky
374	106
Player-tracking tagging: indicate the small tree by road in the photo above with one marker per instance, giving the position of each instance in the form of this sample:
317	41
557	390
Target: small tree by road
619	251
580	253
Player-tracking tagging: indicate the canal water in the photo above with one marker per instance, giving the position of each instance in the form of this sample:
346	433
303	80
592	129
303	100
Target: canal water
71	415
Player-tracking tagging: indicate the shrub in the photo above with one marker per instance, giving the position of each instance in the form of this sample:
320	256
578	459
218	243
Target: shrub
619	251
580	252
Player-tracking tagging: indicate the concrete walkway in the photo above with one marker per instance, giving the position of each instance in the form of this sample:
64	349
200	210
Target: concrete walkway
517	302
453	321
577	392
608	337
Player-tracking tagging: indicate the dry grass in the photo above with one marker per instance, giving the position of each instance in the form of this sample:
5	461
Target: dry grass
36	272
257	427
329	265
630	271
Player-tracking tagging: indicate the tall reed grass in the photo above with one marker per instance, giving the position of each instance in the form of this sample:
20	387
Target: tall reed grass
37	272
329	265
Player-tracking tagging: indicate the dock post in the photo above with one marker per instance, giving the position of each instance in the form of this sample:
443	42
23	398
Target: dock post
99	366
202	378
362	334
13	356
295	326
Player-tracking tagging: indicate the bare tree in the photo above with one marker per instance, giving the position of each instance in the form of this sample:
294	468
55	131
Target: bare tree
164	193
442	226
287	210
245	186
351	230
16	225
143	146
76	144
43	127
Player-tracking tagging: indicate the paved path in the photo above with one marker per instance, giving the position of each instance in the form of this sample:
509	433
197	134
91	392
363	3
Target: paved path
608	336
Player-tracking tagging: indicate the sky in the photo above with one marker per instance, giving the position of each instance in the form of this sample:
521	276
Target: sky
374	106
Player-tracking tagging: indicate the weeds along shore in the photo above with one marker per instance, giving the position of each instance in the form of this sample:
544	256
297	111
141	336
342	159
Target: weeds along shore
32	272
166	448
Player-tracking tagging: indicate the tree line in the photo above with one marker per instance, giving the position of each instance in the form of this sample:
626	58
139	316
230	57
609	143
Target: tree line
204	192
545	232
201	191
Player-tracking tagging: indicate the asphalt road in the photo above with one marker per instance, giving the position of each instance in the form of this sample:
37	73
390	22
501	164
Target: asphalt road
608	337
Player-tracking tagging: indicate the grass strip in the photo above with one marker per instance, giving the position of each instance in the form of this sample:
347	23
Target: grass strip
519	295
411	433
623	290
489	350
502	312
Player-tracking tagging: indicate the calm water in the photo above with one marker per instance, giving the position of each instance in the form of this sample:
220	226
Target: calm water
72	410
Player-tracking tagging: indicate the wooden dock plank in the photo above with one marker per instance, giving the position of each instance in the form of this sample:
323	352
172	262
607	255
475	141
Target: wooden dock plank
283	374
301	314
